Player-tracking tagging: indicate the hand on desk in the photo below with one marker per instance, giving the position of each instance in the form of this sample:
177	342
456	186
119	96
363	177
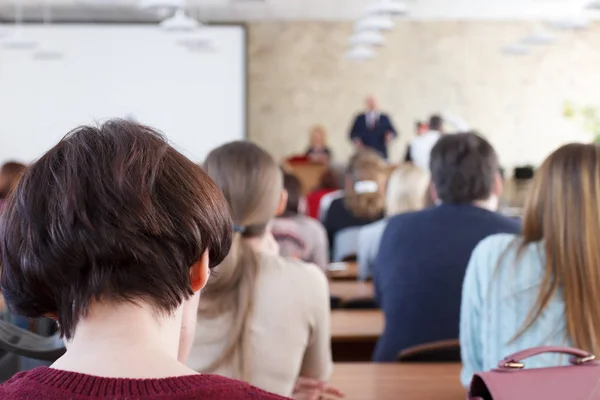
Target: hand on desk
312	389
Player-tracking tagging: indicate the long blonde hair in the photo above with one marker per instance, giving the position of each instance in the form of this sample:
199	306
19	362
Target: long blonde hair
406	189
562	212
252	183
365	166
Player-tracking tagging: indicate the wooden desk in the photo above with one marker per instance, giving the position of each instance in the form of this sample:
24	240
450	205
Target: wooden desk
408	381
354	334
349	274
351	290
308	173
356	325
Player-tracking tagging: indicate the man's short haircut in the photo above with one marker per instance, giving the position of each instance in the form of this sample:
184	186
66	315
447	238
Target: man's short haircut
293	186
112	214
463	168
436	122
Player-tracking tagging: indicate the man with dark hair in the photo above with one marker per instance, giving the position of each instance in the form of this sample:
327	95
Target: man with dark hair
423	255
113	233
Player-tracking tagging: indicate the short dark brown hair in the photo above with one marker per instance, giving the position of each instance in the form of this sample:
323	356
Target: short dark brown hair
463	168
111	213
293	186
436	122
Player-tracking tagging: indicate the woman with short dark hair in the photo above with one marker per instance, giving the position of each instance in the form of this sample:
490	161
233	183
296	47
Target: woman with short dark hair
113	233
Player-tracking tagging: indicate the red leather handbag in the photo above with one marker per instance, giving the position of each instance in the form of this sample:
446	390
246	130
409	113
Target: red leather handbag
510	381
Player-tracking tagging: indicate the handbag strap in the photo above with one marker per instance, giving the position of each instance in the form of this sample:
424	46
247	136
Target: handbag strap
515	361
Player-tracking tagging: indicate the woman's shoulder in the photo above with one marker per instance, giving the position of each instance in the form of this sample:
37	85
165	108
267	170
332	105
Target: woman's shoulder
312	223
494	246
47	383
293	270
372	231
499	241
501	250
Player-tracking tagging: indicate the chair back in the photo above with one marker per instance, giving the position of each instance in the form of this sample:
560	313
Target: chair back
361	304
440	351
28	344
9	365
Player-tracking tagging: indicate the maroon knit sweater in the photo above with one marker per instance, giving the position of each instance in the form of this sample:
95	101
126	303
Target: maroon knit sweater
51	384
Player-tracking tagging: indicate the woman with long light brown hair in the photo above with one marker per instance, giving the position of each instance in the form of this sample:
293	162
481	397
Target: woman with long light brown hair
364	194
543	287
263	318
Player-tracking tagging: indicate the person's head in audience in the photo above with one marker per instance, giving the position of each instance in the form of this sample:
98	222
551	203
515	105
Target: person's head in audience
365	184
253	186
464	169
318	138
371	103
295	200
112	232
562	212
331	179
406	189
10	173
436	123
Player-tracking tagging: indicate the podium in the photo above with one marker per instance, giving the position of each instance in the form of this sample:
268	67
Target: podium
309	174
307	171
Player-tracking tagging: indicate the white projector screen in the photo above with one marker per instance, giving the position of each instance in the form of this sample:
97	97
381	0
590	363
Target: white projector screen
196	98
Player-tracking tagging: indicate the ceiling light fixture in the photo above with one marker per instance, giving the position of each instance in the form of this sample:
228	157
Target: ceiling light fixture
180	21
372	38
516	49
387	7
16	40
374	22
539	38
574	23
361	53
158	4
45	53
593	5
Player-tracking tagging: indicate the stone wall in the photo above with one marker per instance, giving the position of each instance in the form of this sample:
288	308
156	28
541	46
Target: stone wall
298	78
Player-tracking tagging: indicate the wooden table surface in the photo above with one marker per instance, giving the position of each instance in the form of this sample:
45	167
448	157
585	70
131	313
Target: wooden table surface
350	290
407	381
350	273
356	325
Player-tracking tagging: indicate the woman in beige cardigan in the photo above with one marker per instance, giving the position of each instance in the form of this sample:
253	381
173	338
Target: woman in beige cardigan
263	318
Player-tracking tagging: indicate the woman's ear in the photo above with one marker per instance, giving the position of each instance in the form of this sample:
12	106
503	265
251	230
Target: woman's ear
282	203
52	316
199	273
